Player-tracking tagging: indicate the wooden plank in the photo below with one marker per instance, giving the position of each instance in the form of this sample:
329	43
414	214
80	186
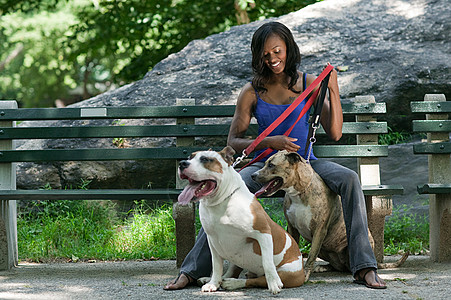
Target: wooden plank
114	131
117	112
431	125
98	154
106	154
432	148
363	108
100	194
159	131
350	150
430	106
138	112
137	194
381	190
433	188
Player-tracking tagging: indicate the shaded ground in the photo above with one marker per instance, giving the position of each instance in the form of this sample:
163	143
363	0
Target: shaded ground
418	278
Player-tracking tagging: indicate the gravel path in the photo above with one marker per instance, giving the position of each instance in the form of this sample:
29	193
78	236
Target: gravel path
418	278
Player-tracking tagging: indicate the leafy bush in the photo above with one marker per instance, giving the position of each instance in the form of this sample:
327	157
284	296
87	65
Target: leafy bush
406	232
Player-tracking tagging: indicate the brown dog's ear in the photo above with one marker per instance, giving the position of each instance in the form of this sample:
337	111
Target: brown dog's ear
227	154
293	157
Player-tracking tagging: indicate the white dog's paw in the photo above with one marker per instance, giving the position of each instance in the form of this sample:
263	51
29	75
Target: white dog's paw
209	287
233	283
274	285
203	280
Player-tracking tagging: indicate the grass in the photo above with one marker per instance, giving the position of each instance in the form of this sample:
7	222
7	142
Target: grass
394	137
65	230
86	230
406	232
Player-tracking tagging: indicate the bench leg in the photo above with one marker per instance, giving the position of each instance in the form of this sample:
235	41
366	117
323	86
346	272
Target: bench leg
440	227
185	231
8	208
8	235
377	209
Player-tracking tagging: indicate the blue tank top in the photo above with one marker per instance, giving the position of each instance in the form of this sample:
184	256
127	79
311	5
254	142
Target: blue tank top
266	114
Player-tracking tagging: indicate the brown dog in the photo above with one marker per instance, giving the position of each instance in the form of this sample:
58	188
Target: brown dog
312	210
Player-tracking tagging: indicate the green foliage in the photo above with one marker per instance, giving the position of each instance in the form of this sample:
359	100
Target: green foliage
40	72
50	230
393	138
406	232
62	229
150	233
74	49
53	230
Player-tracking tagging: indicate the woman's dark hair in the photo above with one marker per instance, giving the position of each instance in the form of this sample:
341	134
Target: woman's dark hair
261	71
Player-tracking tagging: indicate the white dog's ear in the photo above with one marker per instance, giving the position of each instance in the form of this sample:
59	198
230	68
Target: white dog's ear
227	154
293	157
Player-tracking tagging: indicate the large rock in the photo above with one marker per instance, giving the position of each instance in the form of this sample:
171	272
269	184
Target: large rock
395	50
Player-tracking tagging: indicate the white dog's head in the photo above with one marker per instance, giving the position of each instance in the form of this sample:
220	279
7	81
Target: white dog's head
204	170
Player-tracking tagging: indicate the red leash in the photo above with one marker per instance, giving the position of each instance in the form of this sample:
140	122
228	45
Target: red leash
283	116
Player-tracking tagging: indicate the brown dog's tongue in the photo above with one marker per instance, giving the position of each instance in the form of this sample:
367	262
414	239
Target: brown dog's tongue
262	190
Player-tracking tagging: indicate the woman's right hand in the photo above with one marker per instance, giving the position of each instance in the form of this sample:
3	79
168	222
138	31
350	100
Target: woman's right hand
281	142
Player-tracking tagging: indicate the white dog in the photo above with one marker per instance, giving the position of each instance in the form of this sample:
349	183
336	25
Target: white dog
237	227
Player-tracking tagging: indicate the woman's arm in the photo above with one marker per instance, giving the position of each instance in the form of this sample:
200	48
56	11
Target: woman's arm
332	114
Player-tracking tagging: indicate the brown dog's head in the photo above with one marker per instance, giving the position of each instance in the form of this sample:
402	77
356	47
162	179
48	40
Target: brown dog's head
278	172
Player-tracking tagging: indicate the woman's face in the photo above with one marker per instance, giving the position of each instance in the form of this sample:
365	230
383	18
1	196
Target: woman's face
275	54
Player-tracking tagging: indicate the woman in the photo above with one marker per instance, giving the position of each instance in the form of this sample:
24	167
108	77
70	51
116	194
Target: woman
276	84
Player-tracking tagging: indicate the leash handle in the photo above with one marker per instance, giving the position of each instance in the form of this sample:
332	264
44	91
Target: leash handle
289	110
315	118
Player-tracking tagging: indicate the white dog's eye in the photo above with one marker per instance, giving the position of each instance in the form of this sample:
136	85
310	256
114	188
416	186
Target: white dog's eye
270	165
205	159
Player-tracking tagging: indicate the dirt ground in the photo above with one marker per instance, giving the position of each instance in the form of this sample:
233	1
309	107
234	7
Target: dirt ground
418	278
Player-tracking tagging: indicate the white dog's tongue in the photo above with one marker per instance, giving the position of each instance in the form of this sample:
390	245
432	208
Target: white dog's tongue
196	190
188	193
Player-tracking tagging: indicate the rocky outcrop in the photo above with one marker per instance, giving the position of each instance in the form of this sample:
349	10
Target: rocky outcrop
396	50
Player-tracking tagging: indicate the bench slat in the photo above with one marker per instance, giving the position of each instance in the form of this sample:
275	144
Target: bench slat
431	125
432	148
347	151
202	111
434	188
141	112
380	190
136	194
106	154
159	131
101	194
430	106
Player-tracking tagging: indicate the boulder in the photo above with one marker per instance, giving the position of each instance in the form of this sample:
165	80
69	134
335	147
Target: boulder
395	50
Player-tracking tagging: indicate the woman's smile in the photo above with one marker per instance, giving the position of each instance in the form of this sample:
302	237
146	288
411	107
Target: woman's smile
275	54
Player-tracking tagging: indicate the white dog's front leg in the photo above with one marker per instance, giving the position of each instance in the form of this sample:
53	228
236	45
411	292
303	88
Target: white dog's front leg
272	278
216	275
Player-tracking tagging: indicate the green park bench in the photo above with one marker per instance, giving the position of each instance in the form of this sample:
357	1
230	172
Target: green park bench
437	126
361	130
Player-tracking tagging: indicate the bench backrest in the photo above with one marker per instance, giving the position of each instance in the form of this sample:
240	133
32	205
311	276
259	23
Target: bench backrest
437	126
183	122
77	130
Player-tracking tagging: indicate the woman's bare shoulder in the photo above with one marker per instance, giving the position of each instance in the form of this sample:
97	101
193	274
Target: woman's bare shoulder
248	94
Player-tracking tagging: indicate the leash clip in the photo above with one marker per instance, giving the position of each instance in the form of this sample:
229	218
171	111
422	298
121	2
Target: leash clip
240	159
312	141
